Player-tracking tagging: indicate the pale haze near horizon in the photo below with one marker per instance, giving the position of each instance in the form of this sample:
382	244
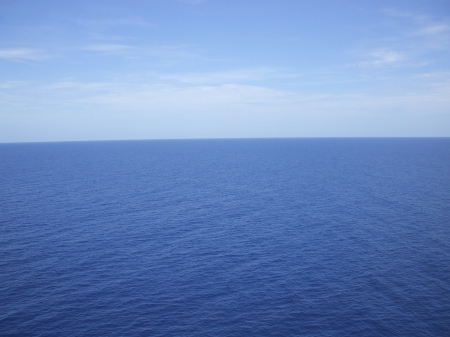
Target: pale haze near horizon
169	69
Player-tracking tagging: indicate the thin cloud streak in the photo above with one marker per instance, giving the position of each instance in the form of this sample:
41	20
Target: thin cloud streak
133	21
384	57
164	52
231	76
410	42
431	95
193	2
107	47
23	53
102	110
435	29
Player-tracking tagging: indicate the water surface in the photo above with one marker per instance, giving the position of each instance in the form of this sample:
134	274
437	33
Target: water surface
269	237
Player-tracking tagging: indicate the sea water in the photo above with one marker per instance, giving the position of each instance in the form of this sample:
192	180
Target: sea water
256	237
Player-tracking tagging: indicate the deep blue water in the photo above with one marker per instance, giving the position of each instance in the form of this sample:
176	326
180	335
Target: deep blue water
275	237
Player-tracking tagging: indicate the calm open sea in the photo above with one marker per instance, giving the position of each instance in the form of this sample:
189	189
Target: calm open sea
269	237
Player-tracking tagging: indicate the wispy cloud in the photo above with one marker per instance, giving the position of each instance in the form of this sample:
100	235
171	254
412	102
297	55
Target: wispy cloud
419	25
393	12
433	29
411	42
430	94
231	76
107	47
165	53
23	53
192	2
172	51
124	21
130	110
383	57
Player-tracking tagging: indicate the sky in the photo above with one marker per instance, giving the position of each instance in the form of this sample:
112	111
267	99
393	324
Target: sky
176	69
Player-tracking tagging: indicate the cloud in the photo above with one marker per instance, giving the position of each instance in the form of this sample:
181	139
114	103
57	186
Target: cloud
22	53
412	41
430	93
129	21
163	97
165	54
419	26
171	51
128	110
193	2
232	76
434	29
403	14
107	47
384	57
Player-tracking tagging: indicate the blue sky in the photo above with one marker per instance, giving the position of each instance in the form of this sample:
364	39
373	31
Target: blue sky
95	70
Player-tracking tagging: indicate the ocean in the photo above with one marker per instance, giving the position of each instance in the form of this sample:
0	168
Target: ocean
245	237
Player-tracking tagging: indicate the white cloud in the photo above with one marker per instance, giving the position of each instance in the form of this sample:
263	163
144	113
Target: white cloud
22	53
383	57
129	21
107	47
434	29
403	14
130	110
412	41
193	2
422	30
163	97
172	51
431	93
232	76
165	53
